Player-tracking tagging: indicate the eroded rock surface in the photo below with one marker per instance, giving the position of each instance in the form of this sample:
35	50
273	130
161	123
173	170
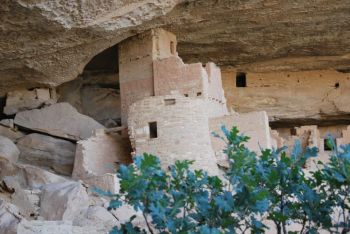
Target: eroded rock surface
49	42
9	218
49	152
60	120
8	150
63	201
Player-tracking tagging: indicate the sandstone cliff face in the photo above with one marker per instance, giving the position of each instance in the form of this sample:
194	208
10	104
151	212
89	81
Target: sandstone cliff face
49	42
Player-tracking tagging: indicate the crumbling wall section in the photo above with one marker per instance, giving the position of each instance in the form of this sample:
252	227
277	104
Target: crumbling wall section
171	76
182	131
97	158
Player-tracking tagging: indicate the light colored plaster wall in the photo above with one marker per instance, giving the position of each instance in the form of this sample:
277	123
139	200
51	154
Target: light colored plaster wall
182	128
288	95
253	124
98	157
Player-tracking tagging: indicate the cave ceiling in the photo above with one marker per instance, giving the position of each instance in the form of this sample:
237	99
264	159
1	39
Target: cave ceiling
49	42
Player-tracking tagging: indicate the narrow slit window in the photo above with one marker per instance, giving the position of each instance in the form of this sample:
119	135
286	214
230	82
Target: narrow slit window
172	47
169	102
153	131
241	80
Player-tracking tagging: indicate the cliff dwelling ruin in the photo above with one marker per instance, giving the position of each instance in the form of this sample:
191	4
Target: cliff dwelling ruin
85	87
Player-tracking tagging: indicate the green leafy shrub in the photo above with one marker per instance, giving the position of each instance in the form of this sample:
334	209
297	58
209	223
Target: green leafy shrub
272	186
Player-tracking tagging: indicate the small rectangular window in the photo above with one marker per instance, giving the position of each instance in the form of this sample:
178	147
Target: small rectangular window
241	79
169	102
153	133
199	94
327	147
186	95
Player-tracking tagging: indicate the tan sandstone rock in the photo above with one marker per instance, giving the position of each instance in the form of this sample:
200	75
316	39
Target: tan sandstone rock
47	152
63	201
60	120
20	197
9	218
8	150
10	133
20	100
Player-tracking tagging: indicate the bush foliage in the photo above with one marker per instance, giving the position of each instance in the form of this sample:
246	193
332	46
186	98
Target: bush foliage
255	190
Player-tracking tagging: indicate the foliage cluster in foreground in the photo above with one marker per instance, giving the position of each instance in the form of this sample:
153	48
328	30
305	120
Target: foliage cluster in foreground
272	186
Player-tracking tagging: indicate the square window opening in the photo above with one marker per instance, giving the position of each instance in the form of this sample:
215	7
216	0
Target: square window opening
153	131
241	79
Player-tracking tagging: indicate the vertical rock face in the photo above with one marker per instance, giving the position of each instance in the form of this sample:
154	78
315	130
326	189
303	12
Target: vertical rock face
94	94
321	95
48	152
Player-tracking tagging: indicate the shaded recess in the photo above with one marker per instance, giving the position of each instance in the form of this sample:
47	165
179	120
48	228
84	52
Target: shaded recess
96	91
2	105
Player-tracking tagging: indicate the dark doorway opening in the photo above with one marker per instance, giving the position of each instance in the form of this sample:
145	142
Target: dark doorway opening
241	79
153	131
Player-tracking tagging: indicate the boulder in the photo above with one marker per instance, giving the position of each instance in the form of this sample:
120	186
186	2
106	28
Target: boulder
8	150
63	201
49	152
44	227
29	176
7	123
96	216
20	100
36	178
20	197
10	133
61	120
54	227
9	218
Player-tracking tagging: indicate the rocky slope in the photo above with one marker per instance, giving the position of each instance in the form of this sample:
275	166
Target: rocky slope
50	42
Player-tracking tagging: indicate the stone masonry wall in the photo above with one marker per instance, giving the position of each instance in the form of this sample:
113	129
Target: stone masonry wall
182	130
322	94
171	75
253	124
136	56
